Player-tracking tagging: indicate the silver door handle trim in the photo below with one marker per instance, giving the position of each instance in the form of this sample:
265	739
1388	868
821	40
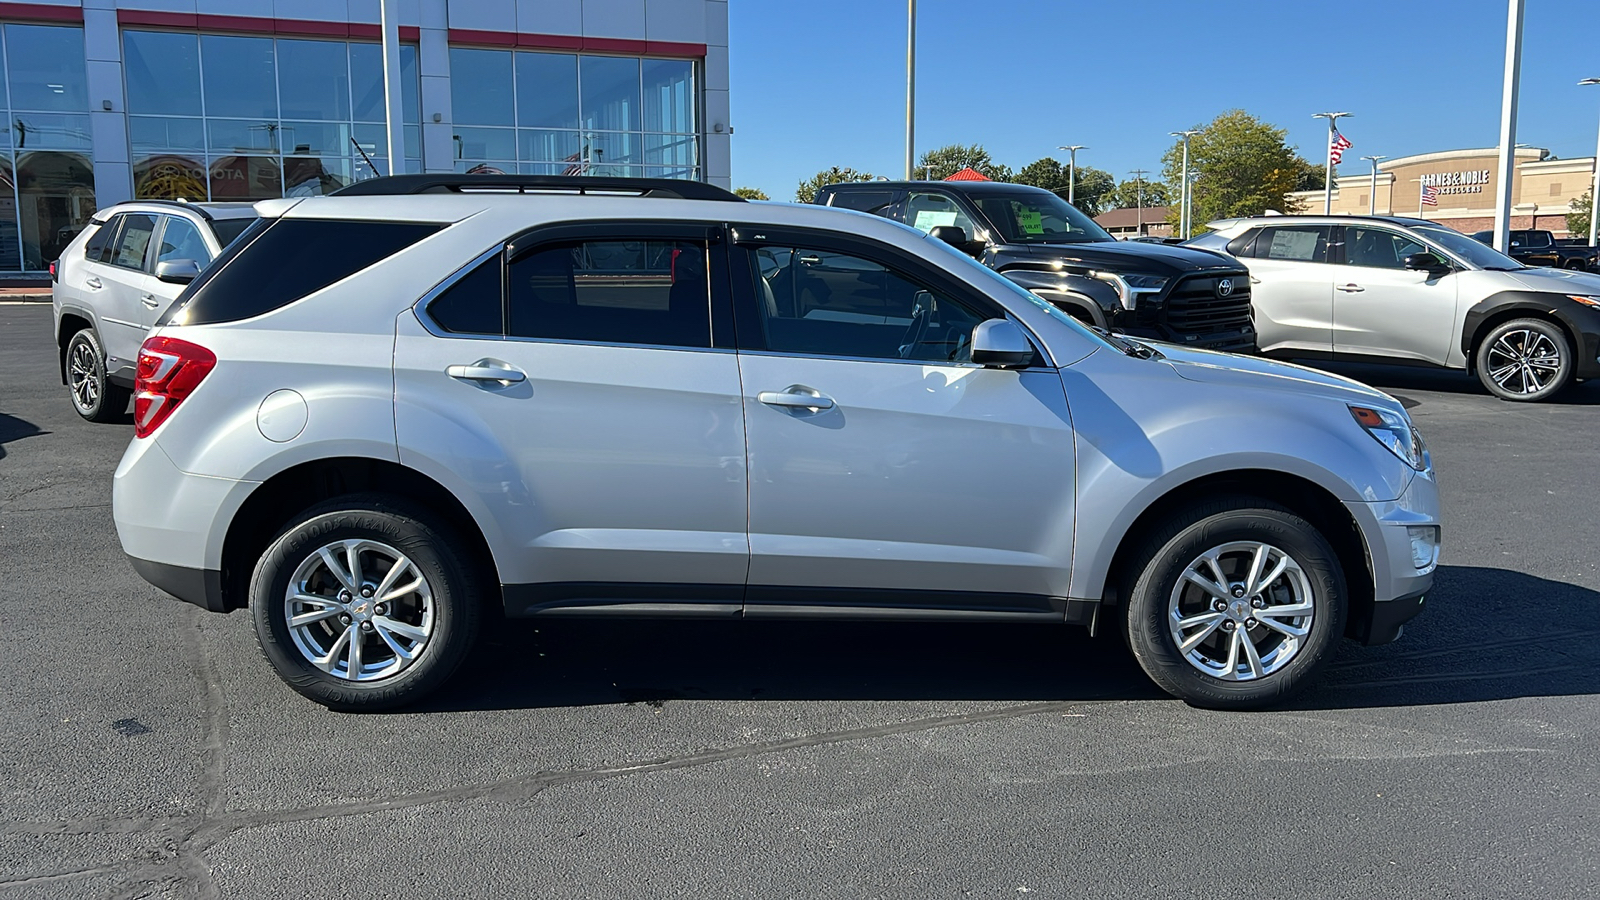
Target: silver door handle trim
479	372
93	283
1351	288
149	301
796	397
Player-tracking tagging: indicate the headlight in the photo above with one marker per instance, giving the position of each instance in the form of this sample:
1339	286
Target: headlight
1146	284
1395	431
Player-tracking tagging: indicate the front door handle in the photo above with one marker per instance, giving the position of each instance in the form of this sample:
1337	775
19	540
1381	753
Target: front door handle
149	301
487	370
797	396
92	282
1351	288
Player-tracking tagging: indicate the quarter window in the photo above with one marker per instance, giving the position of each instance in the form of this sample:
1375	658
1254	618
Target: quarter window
653	292
134	241
473	304
834	304
95	247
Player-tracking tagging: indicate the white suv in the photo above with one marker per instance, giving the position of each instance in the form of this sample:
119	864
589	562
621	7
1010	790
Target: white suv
1391	289
387	413
117	277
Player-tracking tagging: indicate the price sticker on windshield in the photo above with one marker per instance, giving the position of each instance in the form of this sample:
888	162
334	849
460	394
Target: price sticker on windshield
1031	220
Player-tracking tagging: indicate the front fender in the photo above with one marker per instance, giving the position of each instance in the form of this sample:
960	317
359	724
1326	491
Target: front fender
1094	298
1582	322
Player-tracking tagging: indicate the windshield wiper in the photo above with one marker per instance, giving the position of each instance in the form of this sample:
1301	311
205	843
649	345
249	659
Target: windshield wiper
1127	345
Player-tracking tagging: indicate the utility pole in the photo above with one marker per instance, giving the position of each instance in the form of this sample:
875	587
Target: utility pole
911	89
1327	186
1372	195
1138	175
1183	191
1508	126
1594	188
1072	170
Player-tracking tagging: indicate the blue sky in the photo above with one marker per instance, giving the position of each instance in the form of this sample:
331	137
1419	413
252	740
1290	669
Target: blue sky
822	82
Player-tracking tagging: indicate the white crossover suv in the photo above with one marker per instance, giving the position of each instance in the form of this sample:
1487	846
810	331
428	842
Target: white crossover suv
1410	291
386	413
117	277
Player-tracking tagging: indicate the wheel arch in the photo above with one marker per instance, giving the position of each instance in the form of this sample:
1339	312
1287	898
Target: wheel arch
1071	291
1302	496
70	323
1488	315
274	502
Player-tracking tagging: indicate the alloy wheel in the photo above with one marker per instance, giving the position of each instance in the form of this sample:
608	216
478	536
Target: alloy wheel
1524	361
82	377
359	610
1241	611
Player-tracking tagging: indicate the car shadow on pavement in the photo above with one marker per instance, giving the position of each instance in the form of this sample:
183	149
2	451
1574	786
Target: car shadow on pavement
15	429
1474	642
1444	381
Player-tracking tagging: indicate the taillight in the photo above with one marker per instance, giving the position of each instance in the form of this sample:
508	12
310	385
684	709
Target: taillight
54	275
169	370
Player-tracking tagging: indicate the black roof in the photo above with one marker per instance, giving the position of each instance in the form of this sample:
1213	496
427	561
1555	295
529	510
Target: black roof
964	187
391	185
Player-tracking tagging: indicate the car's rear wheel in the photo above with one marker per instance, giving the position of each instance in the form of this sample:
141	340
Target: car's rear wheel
365	603
93	395
1235	604
1525	360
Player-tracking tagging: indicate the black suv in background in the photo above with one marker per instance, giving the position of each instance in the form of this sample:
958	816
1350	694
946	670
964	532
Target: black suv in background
1169	293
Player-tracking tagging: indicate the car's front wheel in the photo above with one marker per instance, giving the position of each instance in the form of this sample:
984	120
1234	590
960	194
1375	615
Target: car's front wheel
365	603
1525	360
1236	604
93	395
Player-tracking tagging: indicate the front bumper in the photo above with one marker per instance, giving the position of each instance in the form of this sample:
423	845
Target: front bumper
1399	585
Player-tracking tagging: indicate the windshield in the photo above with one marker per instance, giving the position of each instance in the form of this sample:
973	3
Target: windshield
987	276
1480	255
1038	217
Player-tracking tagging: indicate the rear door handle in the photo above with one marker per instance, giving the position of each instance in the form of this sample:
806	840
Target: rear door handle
1351	288
93	283
797	396
149	301
487	370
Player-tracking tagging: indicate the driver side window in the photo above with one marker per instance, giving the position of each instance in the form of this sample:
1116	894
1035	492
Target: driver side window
822	303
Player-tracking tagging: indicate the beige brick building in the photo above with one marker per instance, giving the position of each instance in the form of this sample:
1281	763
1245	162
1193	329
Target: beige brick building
1467	182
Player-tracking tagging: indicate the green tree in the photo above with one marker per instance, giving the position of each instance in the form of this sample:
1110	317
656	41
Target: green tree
1090	188
1578	214
1126	195
1241	167
831	175
940	164
750	193
1312	177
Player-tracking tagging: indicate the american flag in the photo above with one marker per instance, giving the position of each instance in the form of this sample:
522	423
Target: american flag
1337	145
1430	195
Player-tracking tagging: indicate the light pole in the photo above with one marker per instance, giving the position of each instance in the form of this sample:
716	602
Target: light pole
1594	189
1372	195
1327	186
911	88
1508	126
1138	175
1183	188
1072	170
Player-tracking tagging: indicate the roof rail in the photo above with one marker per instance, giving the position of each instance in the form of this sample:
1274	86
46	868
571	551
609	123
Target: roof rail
181	204
394	185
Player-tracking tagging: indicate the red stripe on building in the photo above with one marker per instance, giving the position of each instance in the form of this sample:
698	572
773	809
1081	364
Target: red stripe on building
573	43
40	12
256	25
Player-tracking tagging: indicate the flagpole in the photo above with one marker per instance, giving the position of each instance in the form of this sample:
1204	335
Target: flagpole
1327	185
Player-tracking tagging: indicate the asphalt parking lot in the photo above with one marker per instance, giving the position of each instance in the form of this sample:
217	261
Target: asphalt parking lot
148	749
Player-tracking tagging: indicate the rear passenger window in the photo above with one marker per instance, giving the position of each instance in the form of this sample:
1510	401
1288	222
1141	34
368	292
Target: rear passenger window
286	260
133	242
862	201
615	292
472	304
1304	243
181	240
95	247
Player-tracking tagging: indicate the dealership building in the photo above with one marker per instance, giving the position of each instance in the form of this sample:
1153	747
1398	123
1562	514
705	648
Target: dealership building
231	100
1542	189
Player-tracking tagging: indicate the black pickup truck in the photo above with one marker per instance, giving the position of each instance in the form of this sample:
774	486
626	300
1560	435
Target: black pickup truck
1168	293
1540	248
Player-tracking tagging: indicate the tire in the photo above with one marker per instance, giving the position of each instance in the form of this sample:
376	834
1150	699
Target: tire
1308	597
436	622
93	395
1525	360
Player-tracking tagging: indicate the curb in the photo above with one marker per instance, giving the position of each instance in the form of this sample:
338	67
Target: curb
43	297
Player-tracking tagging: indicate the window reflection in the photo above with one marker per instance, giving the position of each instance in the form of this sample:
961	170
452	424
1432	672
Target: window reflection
55	198
47	183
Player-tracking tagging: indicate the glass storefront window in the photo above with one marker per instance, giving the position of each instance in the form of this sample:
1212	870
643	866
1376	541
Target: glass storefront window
46	170
260	117
50	131
55	198
575	114
45	68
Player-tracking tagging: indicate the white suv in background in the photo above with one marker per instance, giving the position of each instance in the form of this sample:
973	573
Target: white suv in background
1397	290
117	277
388	412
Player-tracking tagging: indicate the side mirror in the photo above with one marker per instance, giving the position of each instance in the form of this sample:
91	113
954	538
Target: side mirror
956	236
1001	344
177	271
1427	262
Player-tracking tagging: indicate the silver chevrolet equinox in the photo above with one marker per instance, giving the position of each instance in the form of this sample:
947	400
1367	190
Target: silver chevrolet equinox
383	416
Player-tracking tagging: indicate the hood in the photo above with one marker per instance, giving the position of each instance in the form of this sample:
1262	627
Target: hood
1135	257
1562	281
1234	370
